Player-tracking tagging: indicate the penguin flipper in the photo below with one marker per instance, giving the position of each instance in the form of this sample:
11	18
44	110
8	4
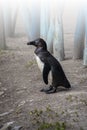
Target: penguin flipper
46	71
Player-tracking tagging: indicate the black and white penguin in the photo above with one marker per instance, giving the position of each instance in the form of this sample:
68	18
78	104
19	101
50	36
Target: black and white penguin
49	63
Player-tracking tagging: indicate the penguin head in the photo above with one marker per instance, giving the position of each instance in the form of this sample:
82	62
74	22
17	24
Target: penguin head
39	43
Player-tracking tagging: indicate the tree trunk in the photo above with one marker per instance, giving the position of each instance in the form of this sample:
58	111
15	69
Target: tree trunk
14	19
25	14
44	19
2	32
85	48
30	17
50	34
58	42
35	19
7	17
79	36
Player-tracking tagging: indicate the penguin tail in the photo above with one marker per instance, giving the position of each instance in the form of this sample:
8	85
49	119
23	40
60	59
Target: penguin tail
67	84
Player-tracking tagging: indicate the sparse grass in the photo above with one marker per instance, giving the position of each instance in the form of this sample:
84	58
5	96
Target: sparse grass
81	128
76	113
84	101
54	126
36	112
63	112
30	64
75	120
48	109
46	120
69	98
18	111
82	80
2	51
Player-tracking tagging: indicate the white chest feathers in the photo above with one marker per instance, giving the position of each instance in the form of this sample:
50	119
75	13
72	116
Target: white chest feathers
40	63
41	66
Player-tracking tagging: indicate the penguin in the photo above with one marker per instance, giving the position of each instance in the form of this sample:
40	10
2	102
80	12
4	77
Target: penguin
49	63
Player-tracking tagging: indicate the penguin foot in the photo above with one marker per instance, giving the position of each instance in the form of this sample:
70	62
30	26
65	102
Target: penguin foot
68	87
47	89
51	91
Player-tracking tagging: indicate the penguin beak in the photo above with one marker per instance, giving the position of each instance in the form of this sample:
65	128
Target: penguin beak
31	43
34	43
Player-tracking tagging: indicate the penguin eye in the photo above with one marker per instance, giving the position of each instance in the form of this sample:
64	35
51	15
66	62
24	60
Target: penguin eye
40	44
36	41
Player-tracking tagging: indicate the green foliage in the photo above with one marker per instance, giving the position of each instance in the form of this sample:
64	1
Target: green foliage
44	120
2	51
30	64
44	126
36	112
84	101
69	98
48	109
53	126
81	128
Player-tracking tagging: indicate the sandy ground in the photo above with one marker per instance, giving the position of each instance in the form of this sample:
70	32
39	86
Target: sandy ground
21	81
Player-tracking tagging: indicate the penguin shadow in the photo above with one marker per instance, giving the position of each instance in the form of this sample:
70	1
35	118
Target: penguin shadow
62	89
68	58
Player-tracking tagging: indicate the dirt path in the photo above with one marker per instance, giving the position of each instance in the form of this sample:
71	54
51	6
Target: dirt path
20	84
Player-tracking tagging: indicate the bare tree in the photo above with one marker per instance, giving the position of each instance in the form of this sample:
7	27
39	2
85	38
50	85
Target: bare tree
2	31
